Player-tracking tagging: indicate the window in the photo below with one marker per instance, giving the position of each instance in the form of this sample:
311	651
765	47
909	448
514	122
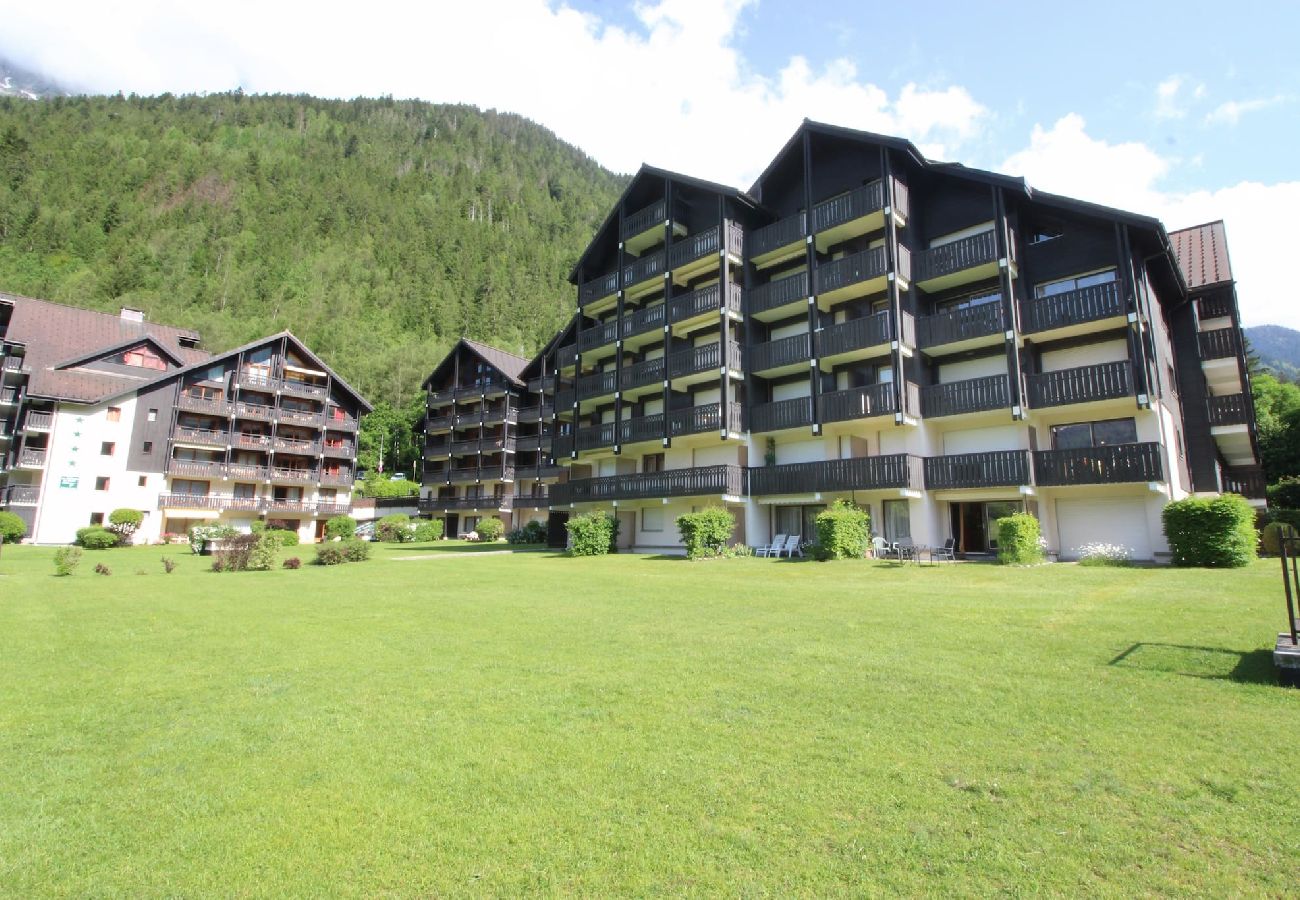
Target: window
153	415
101	483
1105	433
143	357
979	298
147	447
898	520
652	462
107	448
245	491
1073	283
142	481
1041	235
113	414
797	520
652	518
96	518
189	488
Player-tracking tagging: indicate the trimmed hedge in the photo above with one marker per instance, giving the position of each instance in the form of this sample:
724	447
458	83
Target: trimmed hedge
96	537
1018	540
705	533
843	530
1216	533
490	529
341	527
12	528
339	552
591	534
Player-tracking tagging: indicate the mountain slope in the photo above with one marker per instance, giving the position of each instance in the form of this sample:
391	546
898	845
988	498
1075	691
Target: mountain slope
1278	349
379	231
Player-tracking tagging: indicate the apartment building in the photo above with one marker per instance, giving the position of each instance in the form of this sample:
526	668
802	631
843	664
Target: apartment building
941	345
103	412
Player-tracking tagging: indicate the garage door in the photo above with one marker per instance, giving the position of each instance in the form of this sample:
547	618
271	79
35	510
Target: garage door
1123	522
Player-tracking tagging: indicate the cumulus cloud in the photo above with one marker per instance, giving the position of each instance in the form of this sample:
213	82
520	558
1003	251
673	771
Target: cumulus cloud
1066	159
1172	101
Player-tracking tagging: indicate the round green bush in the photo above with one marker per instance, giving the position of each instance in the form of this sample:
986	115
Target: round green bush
12	528
330	554
591	534
394	529
355	550
427	530
341	527
1215	532
96	537
529	533
286	537
490	529
705	533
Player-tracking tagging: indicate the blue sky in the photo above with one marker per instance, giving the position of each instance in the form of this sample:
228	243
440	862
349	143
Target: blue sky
1185	111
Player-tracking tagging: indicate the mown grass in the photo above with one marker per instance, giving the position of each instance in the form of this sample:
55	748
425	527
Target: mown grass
634	725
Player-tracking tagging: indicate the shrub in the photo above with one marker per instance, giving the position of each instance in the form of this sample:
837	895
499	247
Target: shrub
1285	494
264	551
96	537
12	528
236	552
101	569
292	562
705	533
427	530
330	555
285	536
356	550
529	533
843	530
490	529
394	529
123	523
169	564
1217	532
66	560
257	527
1019	543
377	485
340	528
1100	554
591	534
202	535
1270	539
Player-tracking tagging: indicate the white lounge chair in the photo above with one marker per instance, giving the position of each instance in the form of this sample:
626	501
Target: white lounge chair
777	545
792	546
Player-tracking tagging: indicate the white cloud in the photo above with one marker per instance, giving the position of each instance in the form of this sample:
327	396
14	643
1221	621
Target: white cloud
623	95
1230	113
1065	159
1167	98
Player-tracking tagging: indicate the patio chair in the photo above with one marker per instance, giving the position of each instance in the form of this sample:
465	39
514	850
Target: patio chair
792	546
906	549
948	551
879	547
777	545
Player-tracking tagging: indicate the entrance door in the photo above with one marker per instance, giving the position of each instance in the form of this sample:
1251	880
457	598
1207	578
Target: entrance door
320	530
968	527
453	525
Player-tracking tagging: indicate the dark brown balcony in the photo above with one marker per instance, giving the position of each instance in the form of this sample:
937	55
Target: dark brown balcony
191	501
598	288
780	298
341	423
251	440
994	468
1221	343
598	335
647	373
645	227
783	355
704	304
339	448
778	241
855	275
213	407
1085	384
530	501
599	384
963	328
969	396
562	445
867	473
647	323
706	360
564	401
441	397
696	253
966	260
341	477
1078	307
858	403
303	388
449	504
465	448
38	421
437	449
645	273
191	468
258	380
203	436
1231	409
293	474
542	384
1116	464
1249	483
30	458
439	423
701	419
500	415
20	495
1214	308
528	414
296	445
795	412
247	472
855	339
641	429
301	417
692	482
596	437
259	411
856	212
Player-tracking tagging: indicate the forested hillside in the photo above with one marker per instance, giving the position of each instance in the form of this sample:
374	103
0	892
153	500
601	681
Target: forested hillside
377	230
1278	349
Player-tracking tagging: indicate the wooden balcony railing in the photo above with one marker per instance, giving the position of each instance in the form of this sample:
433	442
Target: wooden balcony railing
644	268
778	293
340	477
204	436
949	259
856	334
196	468
861	266
203	405
9	395
779	234
1115	464
31	458
300	417
848	206
542	384
255	411
21	495
700	419
695	246
692	482
1087	304
1105	381
339	448
594	437
786	351
443	396
38	421
866	473
1246	482
499	415
1230	409
650	318
648	371
598	384
450	504
1221	343
702	359
857	403
795	412
13	364
246	472
641	429
303	388
251	440
972	395
994	468
646	218
191	501
463	448
257	380
341	423
598	335
287	473
705	300
1213	308
597	288
528	414
530	501
439	423
964	324
295	445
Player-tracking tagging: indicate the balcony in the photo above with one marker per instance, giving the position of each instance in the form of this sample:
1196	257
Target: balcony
339	448
1231	409
1085	384
529	501
596	437
13	364
994	468
780	415
38	421
644	228
481	388
527	442
599	384
301	417
777	242
339	478
296	445
963	261
341	423
648	373
703	419
192	501
453	504
898	471
528	414
701	363
970	396
463	474
258	411
437	449
1221	343
286	505
251	440
642	429
598	288
856	212
1213	308
542	384
1070	310
564	401
692	482
500	416
781	356
962	329
439	423
196	468
441	397
643	275
303	388
248	472
257	380
1116	464
780	298
855	275
8	396
704	304
858	403
1248	483
599	335
211	406
293	474
20	495
697	253
855	339
644	325
29	458
202	436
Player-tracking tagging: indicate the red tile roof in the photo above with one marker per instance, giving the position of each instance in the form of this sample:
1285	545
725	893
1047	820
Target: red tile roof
1202	252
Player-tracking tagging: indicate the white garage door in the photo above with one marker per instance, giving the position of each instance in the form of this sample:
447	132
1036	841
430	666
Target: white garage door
1121	522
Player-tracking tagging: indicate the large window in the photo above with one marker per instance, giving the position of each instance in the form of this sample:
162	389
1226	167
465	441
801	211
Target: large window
1073	283
979	298
652	518
1105	433
898	520
189	488
800	520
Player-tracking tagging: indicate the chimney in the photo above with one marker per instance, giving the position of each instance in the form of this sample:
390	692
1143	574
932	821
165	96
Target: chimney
132	315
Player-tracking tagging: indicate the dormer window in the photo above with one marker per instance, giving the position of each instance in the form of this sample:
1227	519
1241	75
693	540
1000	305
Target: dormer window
143	357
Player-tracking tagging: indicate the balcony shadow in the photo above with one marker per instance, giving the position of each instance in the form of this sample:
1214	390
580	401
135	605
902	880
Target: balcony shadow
1213	663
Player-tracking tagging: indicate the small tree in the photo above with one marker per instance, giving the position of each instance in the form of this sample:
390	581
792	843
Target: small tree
705	533
340	528
842	531
66	560
124	522
1018	543
12	528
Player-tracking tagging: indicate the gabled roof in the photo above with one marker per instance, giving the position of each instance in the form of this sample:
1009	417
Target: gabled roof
510	365
1202	252
121	347
57	336
648	171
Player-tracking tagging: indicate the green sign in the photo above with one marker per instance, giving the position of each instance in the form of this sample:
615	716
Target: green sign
68	481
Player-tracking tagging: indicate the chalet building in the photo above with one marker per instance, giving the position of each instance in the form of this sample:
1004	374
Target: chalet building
942	345
99	412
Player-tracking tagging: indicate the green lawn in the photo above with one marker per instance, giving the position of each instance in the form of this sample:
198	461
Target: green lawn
634	725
